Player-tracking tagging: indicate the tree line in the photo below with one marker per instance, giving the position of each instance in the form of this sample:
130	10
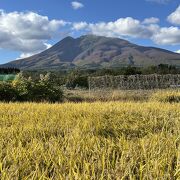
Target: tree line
41	86
9	70
79	77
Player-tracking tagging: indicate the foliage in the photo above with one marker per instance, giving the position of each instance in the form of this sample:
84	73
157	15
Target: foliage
25	89
115	140
74	79
7	92
45	90
22	86
79	77
8	74
131	71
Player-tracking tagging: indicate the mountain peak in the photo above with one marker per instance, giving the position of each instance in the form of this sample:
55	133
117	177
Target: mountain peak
91	51
67	38
89	36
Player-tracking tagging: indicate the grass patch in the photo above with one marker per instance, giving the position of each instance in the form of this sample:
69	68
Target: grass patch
107	95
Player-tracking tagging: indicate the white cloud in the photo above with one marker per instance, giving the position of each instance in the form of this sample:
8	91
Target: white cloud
133	28
123	27
29	32
48	45
25	55
167	36
152	20
76	5
178	51
80	25
26	32
174	18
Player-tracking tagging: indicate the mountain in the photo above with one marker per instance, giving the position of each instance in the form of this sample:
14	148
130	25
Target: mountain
92	51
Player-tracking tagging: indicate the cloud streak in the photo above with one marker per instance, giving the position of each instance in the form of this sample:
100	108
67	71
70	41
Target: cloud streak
174	18
152	20
178	51
76	5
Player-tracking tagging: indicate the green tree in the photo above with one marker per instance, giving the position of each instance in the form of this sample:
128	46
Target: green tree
23	87
37	90
7	92
45	90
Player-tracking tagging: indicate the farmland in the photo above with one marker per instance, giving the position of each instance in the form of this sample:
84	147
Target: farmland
99	140
90	90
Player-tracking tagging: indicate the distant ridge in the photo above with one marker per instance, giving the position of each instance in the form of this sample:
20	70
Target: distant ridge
92	51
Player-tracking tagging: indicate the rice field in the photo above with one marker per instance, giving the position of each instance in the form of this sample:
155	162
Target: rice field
99	140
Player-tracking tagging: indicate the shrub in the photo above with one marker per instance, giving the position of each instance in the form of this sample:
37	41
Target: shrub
74	80
7	92
25	89
44	90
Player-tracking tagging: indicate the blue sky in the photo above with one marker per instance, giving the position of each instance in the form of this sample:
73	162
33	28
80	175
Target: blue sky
28	27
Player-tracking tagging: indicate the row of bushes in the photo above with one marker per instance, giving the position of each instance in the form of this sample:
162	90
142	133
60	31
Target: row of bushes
26	89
